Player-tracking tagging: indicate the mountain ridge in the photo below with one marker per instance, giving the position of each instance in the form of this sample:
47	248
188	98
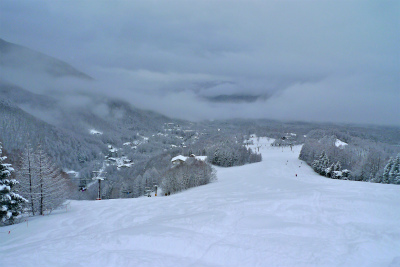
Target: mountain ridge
14	56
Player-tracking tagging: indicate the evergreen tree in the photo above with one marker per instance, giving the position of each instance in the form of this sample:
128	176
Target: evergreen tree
330	171
338	166
321	164
324	164
386	171
315	165
216	159
394	173
10	202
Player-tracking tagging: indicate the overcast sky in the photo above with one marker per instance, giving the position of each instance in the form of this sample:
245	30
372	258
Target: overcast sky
336	61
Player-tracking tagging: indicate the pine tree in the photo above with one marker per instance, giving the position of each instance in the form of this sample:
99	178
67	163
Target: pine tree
330	171
338	166
10	202
336	171
216	158
324	163
315	165
394	173
386	171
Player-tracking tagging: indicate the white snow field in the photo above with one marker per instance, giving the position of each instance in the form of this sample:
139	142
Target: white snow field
254	215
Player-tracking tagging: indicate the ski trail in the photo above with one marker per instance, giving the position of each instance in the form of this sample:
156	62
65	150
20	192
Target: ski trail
255	215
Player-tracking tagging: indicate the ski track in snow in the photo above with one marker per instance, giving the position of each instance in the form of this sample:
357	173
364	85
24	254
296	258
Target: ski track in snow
254	215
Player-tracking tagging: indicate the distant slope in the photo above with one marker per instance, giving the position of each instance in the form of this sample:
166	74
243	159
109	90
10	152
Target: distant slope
63	129
69	150
20	96
20	57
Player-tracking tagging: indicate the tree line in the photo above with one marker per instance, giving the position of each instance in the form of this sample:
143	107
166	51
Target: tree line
357	159
186	175
38	185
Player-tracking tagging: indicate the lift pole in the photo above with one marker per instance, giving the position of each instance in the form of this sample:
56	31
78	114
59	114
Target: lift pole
99	179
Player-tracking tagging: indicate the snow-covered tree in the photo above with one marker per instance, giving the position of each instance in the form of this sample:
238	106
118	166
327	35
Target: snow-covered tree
10	202
321	165
186	175
394	174
329	171
391	172
336	171
338	166
386	171
138	186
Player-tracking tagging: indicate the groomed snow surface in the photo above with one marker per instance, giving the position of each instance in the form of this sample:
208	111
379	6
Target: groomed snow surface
255	215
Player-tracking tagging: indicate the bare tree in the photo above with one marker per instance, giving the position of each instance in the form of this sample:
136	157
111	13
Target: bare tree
52	187
28	183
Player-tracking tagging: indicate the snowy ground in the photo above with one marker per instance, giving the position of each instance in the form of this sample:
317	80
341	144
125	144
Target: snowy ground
255	215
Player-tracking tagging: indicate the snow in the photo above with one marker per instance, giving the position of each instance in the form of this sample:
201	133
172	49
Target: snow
73	173
95	132
340	144
123	162
183	158
255	215
179	158
112	149
202	158
5	187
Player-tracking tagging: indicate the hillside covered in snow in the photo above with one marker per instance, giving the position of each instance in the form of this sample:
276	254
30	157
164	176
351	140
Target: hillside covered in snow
278	212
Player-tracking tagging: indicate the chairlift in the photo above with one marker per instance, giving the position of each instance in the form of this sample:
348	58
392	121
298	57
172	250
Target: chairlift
148	191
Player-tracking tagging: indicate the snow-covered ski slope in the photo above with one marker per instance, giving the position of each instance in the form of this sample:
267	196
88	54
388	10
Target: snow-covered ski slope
254	215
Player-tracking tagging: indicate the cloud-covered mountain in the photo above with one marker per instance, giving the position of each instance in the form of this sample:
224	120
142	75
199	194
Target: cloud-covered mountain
61	116
21	96
17	57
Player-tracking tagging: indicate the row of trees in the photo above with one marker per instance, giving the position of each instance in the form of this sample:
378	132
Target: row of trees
41	181
39	186
186	175
228	155
324	167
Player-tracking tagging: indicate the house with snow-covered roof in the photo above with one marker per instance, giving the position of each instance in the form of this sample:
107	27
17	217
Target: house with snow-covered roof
178	159
181	159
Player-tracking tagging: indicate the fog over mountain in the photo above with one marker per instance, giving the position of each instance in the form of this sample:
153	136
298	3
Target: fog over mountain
324	61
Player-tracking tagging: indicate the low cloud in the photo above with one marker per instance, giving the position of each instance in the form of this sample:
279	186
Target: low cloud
313	61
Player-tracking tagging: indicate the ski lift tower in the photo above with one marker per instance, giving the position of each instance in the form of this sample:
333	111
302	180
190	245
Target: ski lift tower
156	187
98	176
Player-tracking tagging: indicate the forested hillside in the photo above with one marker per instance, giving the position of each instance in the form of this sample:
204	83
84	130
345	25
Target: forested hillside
343	155
19	58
